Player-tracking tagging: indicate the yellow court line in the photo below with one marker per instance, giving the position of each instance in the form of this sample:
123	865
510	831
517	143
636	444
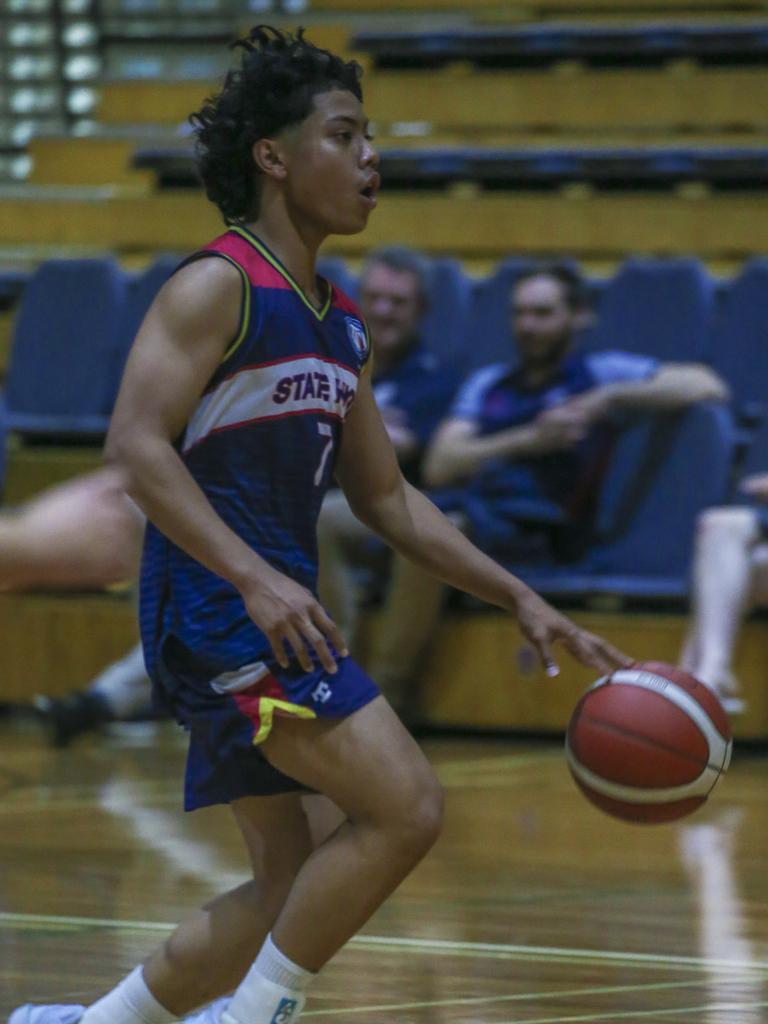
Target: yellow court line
450	947
429	947
517	997
707	1008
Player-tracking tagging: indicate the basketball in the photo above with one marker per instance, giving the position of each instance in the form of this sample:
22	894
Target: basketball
648	743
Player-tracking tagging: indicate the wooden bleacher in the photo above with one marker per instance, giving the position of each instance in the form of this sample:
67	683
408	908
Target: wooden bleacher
579	223
475	102
54	643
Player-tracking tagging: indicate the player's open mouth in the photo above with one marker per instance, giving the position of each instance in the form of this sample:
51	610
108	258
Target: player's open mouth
369	192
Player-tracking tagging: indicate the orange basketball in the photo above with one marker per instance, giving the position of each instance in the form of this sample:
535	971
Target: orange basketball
648	743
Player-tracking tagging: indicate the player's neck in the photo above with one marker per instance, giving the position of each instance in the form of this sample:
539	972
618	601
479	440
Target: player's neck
296	250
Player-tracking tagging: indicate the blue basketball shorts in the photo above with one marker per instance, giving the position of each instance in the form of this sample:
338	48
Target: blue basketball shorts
229	716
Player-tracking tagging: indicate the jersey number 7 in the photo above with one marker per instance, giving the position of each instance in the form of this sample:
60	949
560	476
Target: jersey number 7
324	430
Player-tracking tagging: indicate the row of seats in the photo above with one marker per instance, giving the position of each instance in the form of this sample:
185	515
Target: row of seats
77	319
606	168
509	46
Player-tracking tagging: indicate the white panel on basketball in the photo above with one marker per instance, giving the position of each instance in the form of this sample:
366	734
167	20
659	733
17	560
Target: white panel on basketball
700	786
719	749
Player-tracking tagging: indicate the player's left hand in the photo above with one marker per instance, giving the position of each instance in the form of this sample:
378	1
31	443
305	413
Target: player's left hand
543	626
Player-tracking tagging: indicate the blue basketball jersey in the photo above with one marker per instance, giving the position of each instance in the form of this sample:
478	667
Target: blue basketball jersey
261	445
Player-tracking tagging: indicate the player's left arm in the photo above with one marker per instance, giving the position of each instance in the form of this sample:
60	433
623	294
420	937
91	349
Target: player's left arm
370	477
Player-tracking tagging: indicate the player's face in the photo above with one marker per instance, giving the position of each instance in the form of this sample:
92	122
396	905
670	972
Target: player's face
332	178
390	301
542	321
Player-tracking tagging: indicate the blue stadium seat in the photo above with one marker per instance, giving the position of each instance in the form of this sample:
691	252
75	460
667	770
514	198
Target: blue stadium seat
490	336
661	308
446	326
141	292
645	44
663	473
338	273
739	340
59	379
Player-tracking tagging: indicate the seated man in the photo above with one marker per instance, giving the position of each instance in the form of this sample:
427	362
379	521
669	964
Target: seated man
730	575
413	391
522	453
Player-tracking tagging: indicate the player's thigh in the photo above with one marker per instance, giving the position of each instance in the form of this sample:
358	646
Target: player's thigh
368	764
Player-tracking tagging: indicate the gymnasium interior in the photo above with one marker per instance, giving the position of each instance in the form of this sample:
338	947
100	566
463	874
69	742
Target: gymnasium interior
628	138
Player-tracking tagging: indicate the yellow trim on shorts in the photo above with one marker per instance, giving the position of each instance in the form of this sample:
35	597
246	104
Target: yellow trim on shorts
267	708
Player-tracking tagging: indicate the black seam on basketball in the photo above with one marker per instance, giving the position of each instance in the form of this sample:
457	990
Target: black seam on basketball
610	727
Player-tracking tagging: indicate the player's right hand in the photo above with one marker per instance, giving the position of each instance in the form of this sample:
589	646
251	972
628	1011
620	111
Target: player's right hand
293	621
543	626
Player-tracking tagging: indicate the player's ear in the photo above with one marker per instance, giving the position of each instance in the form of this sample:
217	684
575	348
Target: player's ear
268	157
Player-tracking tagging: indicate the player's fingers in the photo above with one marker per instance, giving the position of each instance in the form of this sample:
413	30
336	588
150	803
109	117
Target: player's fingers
588	649
292	636
328	627
544	649
275	638
321	648
617	658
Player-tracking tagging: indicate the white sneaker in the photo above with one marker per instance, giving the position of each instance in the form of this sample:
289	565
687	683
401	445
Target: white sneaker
210	1014
52	1013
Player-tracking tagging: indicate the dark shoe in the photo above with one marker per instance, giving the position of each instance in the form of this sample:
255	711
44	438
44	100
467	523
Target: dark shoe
67	717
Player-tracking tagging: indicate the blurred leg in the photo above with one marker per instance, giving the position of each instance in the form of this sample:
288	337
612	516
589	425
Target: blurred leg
83	533
724	562
409	619
341	539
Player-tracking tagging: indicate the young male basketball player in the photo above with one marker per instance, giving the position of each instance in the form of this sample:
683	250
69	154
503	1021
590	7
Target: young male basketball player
247	389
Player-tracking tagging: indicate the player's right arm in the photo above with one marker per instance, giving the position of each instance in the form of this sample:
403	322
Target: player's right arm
181	342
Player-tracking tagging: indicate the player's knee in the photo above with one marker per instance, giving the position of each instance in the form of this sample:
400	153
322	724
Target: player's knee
420	821
739	522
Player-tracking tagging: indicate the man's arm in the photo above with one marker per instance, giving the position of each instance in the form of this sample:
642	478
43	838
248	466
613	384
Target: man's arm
458	450
180	344
368	472
674	386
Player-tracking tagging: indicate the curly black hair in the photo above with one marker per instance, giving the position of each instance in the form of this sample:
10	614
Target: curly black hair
278	78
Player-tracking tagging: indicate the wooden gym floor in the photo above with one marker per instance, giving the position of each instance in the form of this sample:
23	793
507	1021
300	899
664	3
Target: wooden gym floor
532	909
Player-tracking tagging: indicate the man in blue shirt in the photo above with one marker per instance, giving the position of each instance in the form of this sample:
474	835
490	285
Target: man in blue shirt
520	459
413	390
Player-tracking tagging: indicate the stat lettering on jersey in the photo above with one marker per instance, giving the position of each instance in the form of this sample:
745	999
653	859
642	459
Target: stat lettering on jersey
287	387
315	384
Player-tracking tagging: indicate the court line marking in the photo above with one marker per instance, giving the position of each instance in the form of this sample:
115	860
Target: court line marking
635	1014
517	997
444	947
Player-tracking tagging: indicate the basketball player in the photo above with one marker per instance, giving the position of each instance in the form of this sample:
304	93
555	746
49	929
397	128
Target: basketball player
248	387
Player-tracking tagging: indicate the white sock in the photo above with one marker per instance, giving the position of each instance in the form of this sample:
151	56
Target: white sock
272	992
130	1002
